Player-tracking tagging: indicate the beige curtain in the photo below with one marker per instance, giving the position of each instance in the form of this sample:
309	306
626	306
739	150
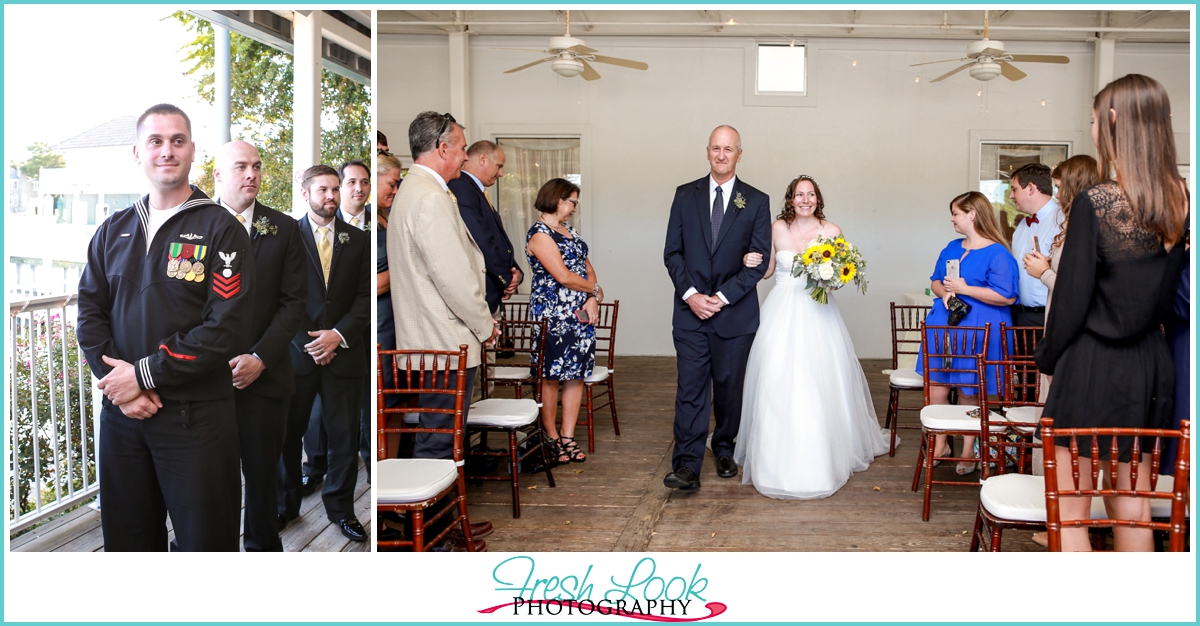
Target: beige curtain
529	163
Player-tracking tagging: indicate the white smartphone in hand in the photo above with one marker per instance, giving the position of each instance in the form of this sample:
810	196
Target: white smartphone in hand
1037	247
952	268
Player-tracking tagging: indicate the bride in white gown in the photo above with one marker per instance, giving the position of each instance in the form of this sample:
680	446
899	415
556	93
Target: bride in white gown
807	418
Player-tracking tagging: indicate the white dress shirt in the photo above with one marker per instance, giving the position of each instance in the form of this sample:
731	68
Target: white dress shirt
726	191
1030	291
247	215
362	218
436	176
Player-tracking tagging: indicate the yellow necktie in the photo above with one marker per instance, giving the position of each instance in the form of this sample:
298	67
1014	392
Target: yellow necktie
354	222
489	200
241	220
325	250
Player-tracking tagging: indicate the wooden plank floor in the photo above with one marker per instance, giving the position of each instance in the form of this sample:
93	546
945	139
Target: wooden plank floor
79	530
616	500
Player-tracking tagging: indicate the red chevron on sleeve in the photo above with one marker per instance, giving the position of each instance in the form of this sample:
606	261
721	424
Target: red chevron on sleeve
227	287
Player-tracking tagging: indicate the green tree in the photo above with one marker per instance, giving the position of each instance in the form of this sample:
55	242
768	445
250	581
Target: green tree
39	156
261	107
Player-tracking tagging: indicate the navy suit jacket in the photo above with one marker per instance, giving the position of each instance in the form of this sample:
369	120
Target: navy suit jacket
693	261
345	304
486	228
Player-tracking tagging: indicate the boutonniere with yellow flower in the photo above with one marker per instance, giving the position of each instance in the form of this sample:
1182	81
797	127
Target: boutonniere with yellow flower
739	201
264	227
343	237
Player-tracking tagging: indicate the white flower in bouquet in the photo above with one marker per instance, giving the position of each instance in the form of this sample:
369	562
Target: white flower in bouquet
826	271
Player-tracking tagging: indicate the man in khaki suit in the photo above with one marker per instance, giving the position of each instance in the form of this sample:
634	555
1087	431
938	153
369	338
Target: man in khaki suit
436	269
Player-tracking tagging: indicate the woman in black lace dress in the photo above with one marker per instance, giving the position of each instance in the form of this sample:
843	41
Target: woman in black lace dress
1116	283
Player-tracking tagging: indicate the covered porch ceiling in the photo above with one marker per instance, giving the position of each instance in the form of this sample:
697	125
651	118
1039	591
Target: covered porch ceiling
1154	26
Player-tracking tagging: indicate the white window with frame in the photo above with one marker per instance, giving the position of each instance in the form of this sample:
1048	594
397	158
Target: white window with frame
997	162
781	69
529	163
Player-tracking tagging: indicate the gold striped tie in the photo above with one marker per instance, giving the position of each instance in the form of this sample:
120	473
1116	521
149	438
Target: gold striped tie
241	220
325	250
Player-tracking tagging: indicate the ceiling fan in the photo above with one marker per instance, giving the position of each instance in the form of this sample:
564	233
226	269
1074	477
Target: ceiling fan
570	57
987	60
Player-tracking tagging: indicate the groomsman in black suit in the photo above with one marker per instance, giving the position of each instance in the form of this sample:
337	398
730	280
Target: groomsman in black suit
714	222
354	210
262	378
328	353
484	166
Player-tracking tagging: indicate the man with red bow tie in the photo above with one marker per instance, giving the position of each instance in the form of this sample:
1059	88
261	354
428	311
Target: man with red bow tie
1033	193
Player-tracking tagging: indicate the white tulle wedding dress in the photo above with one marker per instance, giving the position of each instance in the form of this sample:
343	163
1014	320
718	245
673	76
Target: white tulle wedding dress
807	418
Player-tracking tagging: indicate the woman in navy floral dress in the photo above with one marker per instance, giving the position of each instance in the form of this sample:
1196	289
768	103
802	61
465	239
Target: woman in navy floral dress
563	290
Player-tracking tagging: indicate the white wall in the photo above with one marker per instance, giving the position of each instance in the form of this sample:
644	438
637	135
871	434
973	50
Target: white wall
888	151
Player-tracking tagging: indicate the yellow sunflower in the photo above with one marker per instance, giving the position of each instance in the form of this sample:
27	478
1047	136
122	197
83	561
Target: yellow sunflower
810	255
848	272
825	252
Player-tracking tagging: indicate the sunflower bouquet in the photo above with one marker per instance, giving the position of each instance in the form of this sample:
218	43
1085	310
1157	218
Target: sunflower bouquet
829	264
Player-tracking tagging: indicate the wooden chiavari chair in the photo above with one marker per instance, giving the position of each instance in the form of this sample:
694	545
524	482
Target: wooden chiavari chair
906	341
415	486
602	374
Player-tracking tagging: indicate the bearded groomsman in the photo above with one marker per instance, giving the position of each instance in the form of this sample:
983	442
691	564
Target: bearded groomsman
328	353
262	378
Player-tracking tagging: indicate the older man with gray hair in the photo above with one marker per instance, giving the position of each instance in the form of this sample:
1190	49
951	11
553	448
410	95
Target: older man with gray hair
437	271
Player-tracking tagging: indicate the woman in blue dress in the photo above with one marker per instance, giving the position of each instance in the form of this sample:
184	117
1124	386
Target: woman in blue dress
564	292
987	281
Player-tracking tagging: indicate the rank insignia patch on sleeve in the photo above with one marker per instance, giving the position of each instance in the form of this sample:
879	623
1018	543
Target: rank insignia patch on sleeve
228	282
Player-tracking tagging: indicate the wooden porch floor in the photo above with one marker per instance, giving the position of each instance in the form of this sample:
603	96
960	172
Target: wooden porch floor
79	530
616	500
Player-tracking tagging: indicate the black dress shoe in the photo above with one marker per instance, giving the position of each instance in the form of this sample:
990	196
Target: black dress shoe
353	530
308	485
387	533
683	479
284	519
726	468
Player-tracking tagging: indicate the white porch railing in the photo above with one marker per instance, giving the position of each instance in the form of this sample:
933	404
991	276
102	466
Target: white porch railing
53	413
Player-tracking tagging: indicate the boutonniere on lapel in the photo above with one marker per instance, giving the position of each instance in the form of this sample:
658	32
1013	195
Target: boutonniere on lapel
263	227
367	226
739	201
343	237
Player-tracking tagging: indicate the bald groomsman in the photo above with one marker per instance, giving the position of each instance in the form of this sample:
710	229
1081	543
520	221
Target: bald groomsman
485	166
263	378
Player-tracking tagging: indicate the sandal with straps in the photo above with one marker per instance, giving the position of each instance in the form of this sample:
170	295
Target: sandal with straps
571	449
554	452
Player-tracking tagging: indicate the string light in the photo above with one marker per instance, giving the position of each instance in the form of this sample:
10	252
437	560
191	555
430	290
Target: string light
917	80
1043	103
793	44
854	64
979	93
732	21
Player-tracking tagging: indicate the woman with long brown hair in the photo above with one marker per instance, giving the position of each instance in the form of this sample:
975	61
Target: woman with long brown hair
1120	263
987	281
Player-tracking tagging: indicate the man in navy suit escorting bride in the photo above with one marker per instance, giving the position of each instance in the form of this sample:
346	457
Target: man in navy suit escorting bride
714	222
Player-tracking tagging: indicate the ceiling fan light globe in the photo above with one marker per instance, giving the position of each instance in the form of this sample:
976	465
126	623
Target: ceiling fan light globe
985	71
567	68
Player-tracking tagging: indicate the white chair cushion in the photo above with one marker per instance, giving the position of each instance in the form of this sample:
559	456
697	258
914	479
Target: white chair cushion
412	419
1015	496
955	417
404	481
906	378
511	373
502	413
599	374
1024	414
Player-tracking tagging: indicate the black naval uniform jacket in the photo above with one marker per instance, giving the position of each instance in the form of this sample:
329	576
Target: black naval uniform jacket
178	333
